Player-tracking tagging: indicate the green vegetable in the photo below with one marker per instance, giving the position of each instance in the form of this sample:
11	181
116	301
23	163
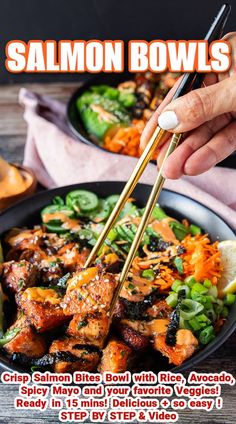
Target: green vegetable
176	284
175	318
178	262
229	299
207	335
35	368
210	313
158	213
126	232
112	235
194	324
179	230
127	99
184	289
184	324
101	112
106	91
51	209
198	297
82	201
101	213
190	308
129	210
172	300
199	289
207	283
55	225
88	235
8	336
202	318
190	281
213	291
194	230
58	200
199	322
21	282
149	274
112	200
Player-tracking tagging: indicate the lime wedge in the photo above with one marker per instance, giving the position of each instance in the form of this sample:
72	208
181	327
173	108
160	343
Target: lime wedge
227	282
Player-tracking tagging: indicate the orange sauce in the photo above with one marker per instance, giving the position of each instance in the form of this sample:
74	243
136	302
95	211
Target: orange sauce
38	294
11	181
82	278
68	223
162	227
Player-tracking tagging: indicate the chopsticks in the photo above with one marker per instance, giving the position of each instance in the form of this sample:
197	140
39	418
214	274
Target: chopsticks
152	200
190	81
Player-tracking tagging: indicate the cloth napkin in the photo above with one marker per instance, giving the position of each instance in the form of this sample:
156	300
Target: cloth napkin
58	159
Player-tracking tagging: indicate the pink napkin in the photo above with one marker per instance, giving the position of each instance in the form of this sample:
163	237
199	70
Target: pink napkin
58	159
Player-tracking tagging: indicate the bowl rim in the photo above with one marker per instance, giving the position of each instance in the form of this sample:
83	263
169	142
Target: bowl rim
192	361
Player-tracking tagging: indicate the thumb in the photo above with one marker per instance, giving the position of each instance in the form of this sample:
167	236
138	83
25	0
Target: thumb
199	106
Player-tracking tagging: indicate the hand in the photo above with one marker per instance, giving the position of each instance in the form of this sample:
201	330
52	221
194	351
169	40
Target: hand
208	115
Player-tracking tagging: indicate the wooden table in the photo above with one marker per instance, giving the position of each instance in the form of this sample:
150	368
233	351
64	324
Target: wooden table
12	138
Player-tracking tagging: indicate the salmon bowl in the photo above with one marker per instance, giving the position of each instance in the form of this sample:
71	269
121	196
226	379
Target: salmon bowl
163	320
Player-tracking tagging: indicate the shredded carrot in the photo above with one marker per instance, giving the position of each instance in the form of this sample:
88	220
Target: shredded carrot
127	139
201	258
165	275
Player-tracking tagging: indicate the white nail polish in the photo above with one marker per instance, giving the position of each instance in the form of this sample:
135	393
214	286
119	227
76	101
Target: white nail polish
168	120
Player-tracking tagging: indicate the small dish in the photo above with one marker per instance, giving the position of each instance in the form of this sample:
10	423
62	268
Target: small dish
28	176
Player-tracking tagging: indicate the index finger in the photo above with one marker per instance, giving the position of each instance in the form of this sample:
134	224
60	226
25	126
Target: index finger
152	123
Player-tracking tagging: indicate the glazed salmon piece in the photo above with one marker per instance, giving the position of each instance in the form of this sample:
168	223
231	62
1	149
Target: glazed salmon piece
87	291
42	307
80	357
26	341
185	346
90	328
115	357
17	276
147	328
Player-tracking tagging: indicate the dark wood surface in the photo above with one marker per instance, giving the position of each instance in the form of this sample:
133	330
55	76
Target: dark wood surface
12	139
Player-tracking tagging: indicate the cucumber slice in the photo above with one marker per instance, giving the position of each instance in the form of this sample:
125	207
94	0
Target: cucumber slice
82	200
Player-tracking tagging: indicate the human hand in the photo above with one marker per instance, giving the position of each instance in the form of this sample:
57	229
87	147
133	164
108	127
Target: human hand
207	116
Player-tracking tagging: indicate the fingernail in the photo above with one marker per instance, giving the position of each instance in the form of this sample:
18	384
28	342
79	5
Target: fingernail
168	120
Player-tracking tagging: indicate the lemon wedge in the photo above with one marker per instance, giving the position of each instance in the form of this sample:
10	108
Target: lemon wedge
227	282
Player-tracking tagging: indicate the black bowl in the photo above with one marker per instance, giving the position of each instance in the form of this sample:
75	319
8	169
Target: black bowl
76	125
27	213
